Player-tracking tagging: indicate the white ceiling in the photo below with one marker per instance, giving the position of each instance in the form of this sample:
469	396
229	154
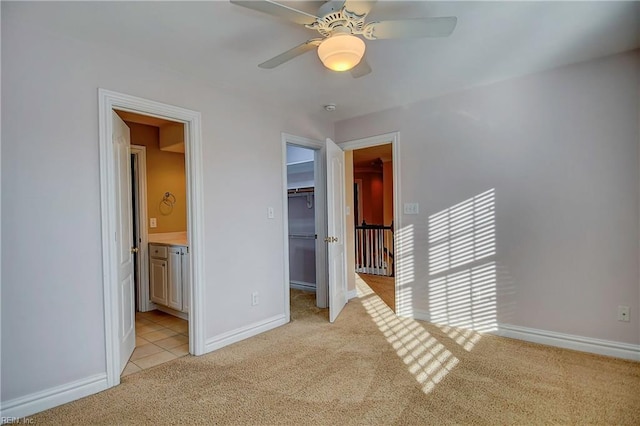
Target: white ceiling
221	44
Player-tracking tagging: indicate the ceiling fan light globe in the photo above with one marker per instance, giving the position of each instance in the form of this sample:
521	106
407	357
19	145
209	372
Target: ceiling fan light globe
341	52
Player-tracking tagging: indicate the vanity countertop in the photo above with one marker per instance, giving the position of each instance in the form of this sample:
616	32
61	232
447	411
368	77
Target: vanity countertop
169	239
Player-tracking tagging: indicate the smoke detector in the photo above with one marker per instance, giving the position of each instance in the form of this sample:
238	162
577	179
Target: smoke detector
330	107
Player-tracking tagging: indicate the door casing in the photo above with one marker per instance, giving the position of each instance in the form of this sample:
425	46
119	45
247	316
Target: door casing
142	285
107	102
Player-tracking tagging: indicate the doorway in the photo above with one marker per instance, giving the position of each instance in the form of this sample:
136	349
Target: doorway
302	218
372	191
304	222
373	219
115	232
305	229
159	240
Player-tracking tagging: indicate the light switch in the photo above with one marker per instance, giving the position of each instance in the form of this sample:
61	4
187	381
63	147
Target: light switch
411	208
153	223
270	213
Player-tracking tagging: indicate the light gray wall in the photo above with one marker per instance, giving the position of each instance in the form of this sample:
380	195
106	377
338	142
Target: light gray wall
52	306
560	149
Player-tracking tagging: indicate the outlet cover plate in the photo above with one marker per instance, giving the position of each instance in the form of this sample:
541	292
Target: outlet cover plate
623	313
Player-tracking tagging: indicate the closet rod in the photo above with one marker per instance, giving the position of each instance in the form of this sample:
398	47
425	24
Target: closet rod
301	190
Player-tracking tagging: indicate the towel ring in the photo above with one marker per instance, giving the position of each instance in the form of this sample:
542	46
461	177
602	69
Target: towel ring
166	205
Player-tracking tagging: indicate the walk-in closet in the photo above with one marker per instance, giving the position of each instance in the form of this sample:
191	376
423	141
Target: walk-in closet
302	228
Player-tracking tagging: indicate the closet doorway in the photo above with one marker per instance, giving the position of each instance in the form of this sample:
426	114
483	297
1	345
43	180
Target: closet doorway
304	218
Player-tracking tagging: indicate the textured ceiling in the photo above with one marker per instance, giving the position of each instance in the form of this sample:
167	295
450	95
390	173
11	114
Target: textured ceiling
221	44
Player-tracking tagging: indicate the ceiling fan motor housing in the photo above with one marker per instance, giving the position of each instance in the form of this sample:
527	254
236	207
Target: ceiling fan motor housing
341	20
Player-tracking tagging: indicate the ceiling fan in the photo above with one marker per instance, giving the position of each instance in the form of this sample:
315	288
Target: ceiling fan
339	23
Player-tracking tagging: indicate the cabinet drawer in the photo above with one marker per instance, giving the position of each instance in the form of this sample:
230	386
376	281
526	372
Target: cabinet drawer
159	252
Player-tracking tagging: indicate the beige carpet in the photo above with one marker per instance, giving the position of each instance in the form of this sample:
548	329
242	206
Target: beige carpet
369	368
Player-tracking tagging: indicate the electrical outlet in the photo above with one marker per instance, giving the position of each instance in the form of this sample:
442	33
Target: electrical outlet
153	223
623	313
254	298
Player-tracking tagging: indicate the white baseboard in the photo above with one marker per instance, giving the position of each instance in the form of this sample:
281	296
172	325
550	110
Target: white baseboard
569	341
417	314
559	340
352	294
242	333
302	285
49	398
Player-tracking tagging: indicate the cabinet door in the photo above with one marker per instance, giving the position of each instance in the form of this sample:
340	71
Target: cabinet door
186	281
175	278
158	275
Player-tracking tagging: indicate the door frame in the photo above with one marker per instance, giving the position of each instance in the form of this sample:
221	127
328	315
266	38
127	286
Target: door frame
358	184
107	102
319	176
394	139
142	285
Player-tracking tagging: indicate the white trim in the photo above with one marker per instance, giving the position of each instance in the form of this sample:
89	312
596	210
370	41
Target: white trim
320	198
559	340
394	139
371	141
302	285
569	341
107	101
144	303
417	314
320	214
242	333
49	398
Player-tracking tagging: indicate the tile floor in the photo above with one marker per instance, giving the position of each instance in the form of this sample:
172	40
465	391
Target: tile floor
160	338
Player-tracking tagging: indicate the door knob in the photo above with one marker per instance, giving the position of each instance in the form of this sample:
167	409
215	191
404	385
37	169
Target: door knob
134	249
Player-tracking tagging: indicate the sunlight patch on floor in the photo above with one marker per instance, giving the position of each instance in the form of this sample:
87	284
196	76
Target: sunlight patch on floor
426	358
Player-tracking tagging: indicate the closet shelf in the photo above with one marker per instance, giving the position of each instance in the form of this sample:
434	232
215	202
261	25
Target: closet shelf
303	236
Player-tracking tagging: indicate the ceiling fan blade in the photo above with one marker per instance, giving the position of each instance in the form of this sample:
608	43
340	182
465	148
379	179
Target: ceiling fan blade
291	53
279	10
362	69
359	7
411	28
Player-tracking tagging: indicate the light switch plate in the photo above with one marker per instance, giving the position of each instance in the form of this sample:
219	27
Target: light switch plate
270	213
411	208
153	223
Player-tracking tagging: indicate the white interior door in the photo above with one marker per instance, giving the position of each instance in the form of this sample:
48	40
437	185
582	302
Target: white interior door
124	239
336	230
